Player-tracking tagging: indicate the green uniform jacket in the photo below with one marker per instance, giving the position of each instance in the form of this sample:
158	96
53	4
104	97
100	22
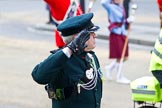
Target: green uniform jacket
61	71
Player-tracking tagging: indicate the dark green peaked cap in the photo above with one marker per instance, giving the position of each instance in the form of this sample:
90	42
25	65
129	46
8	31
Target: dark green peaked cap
75	24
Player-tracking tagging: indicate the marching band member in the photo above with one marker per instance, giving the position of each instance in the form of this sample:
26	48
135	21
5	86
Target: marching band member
61	10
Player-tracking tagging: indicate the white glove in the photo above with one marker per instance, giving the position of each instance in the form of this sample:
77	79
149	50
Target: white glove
134	6
130	19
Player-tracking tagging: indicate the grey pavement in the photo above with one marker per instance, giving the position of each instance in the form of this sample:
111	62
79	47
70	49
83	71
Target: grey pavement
139	34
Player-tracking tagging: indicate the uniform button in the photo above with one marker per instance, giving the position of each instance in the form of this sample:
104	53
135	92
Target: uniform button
96	89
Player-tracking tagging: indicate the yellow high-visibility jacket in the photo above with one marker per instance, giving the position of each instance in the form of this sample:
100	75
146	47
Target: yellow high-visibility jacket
156	57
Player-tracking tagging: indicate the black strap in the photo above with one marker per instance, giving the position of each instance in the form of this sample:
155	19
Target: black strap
157	53
61	94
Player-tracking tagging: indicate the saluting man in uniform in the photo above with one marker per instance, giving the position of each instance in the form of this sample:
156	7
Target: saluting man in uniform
156	57
73	73
59	9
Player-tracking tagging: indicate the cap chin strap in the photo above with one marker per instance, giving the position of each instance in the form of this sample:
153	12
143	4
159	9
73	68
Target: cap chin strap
93	29
89	26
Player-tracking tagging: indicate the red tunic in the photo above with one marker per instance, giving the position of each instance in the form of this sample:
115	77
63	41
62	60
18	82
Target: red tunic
58	11
159	2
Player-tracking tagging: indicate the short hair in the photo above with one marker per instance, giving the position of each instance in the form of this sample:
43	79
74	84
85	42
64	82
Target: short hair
67	39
